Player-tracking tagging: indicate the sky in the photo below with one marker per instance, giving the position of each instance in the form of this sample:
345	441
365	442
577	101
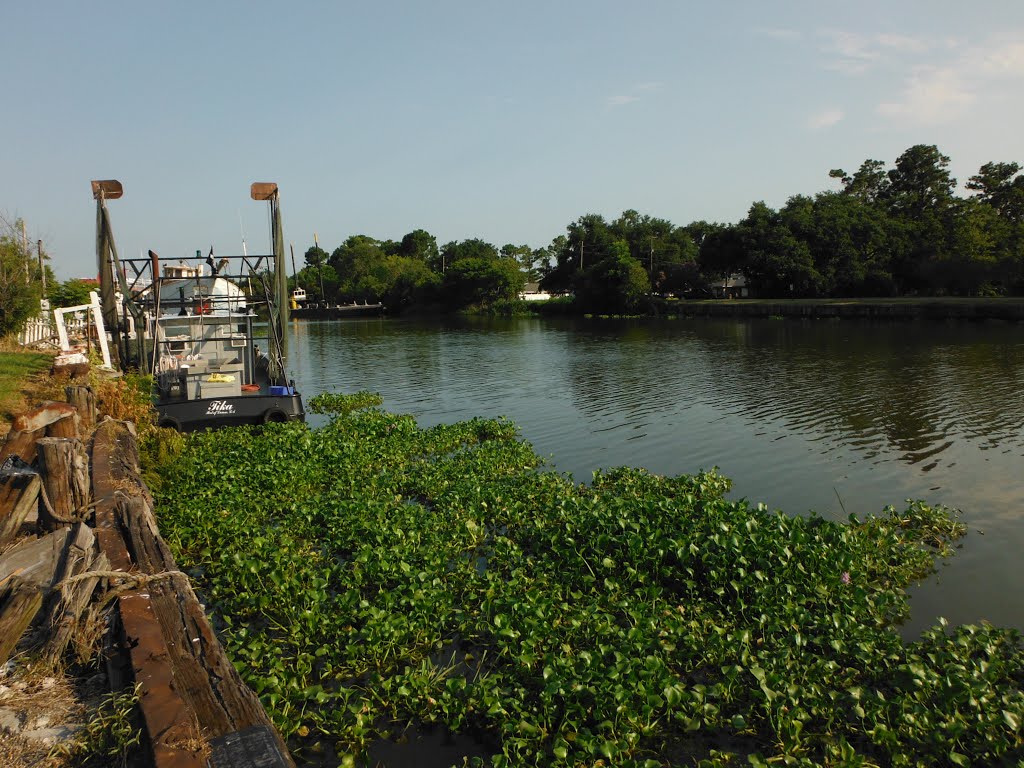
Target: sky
505	121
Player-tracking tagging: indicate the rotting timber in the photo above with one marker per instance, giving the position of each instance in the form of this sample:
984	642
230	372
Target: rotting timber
188	683
211	332
195	709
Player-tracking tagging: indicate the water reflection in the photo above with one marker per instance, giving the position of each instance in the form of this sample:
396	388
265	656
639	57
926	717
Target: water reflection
822	415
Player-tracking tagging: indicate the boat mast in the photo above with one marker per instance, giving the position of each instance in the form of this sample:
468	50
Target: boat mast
278	338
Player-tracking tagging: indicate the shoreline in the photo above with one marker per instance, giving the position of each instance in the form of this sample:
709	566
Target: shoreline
941	308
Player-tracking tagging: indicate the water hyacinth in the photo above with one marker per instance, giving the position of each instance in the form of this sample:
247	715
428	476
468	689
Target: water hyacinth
371	574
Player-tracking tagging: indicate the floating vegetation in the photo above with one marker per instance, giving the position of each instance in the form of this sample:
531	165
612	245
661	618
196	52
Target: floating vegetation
372	575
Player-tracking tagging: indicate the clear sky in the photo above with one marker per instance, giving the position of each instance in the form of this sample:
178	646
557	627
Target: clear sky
471	118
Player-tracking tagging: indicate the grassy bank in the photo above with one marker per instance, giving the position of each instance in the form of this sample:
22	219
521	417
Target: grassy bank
371	575
18	373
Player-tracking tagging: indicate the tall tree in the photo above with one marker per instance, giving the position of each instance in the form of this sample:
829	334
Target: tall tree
473	248
920	199
920	182
870	183
617	283
356	262
776	263
20	285
587	241
525	257
419	244
999	185
478	280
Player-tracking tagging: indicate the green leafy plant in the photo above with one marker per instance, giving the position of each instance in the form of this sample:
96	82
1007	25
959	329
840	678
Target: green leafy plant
111	736
372	573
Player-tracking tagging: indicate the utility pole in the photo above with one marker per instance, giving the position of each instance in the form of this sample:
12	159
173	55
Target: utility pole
319	267
581	255
295	273
42	270
24	248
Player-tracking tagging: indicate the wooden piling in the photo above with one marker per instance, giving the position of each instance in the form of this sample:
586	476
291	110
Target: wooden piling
64	468
84	400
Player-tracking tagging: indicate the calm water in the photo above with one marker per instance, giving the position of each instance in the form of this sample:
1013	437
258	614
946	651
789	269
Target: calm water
802	415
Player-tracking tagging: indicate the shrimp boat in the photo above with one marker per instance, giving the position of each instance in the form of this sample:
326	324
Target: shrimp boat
210	331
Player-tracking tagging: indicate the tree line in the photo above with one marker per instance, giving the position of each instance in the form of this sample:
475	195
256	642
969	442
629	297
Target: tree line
899	231
886	231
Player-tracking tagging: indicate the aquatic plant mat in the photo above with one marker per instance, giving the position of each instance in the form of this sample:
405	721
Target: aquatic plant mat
379	584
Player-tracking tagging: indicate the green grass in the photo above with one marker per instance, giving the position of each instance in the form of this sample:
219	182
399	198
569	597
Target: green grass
16	369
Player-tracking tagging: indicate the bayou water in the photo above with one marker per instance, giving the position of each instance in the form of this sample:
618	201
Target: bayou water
837	417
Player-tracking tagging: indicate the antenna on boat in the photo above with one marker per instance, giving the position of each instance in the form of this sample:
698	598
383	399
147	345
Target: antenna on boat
245	253
295	274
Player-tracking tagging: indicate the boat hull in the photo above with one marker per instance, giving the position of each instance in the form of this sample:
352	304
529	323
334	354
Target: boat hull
231	411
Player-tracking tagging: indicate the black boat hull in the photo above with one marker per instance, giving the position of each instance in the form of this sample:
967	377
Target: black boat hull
233	411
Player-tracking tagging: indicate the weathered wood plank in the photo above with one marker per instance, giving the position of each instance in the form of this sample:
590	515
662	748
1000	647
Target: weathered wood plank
35	560
19	605
147	548
109	470
70	599
187	678
204	676
172	731
19	496
20	444
42	416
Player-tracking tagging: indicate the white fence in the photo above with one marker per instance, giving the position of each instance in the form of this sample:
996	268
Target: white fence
38	331
41	331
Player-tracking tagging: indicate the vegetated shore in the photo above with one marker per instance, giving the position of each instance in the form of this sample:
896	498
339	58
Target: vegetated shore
930	308
377	581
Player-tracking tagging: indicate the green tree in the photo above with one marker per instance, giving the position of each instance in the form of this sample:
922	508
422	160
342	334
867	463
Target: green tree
587	241
20	284
473	248
920	200
848	237
651	241
70	293
869	184
721	251
920	182
406	281
480	280
315	256
615	284
999	185
357	263
419	244
776	263
525	256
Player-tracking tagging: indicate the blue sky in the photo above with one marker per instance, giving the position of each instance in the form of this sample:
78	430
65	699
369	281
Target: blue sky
504	121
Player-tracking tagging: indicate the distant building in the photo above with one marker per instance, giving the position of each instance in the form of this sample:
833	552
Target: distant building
532	292
732	287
